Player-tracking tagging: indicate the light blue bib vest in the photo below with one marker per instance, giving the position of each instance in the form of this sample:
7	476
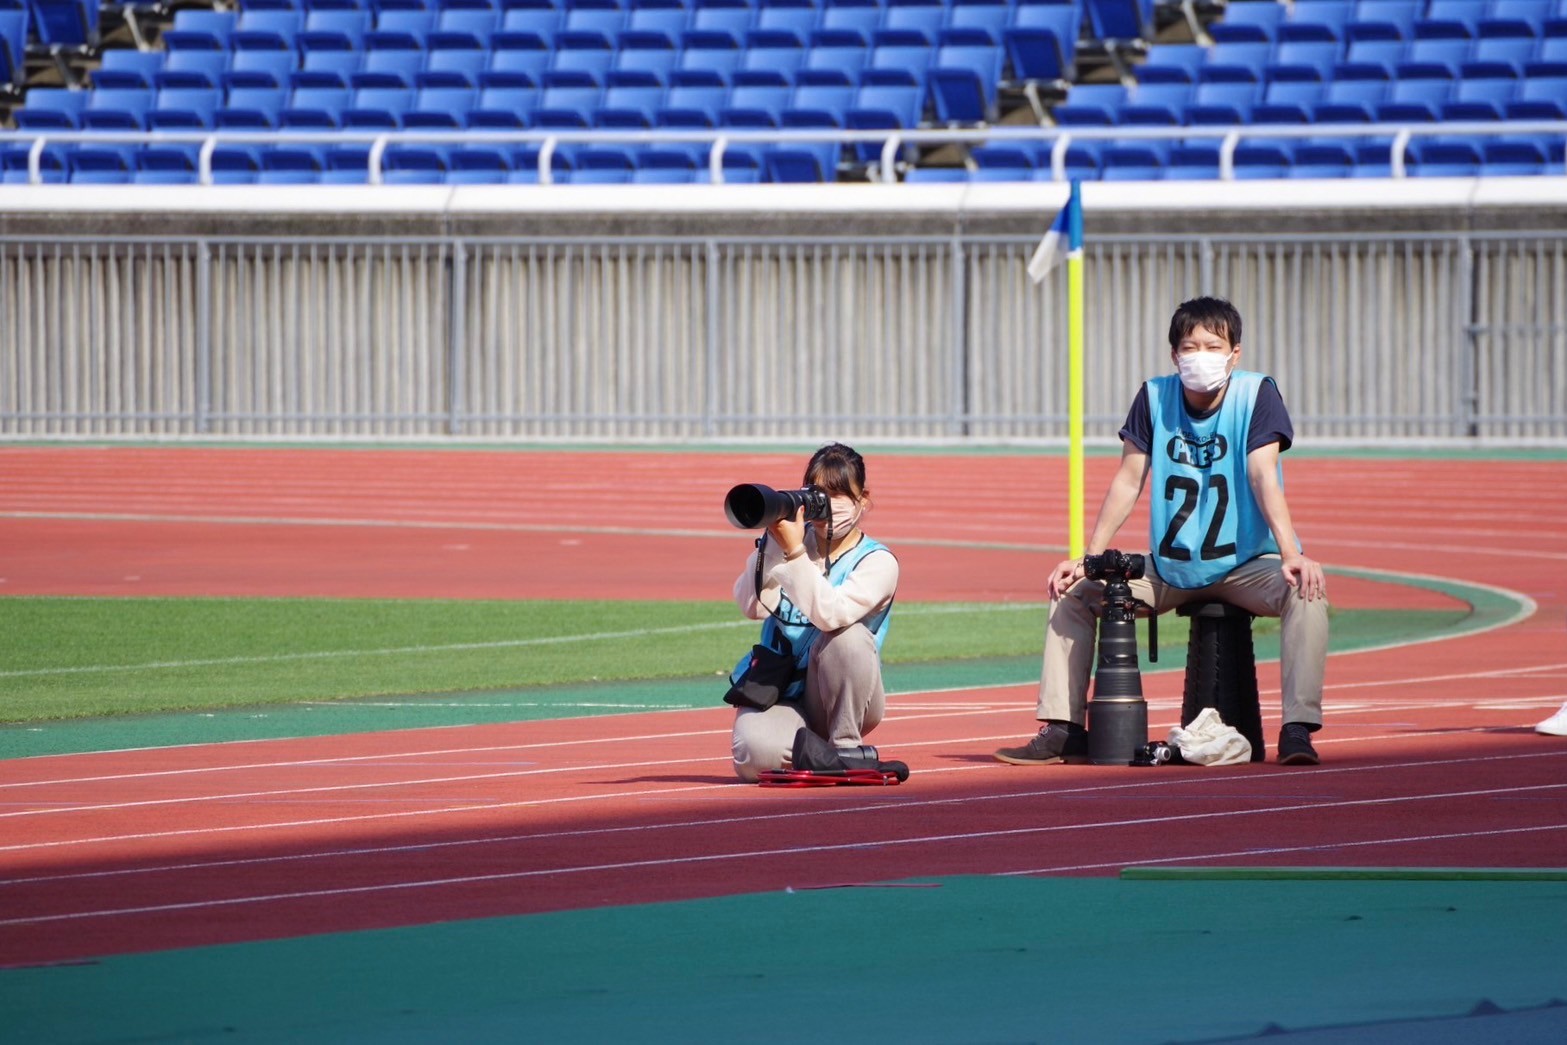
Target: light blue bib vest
801	633
1203	519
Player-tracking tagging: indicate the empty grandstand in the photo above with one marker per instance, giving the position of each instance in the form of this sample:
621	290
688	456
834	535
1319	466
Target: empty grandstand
671	91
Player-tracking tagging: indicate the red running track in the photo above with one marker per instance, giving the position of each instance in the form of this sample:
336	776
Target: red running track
1429	759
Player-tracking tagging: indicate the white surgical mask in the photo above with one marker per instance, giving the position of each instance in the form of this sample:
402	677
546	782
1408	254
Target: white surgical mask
1204	372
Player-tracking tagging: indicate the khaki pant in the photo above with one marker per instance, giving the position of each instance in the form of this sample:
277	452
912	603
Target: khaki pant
843	701
1258	586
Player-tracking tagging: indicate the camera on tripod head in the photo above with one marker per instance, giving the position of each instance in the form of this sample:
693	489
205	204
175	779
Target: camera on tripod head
752	506
1112	565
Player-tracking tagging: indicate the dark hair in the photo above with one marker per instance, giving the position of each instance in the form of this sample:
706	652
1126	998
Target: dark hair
1216	314
837	469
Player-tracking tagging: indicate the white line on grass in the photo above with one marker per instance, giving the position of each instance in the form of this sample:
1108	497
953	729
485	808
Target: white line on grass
549	640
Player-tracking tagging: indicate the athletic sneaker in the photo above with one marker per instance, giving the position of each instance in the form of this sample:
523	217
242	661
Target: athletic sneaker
1055	742
1295	745
1556	725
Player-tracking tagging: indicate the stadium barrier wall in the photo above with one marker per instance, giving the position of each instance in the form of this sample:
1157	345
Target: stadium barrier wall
1429	310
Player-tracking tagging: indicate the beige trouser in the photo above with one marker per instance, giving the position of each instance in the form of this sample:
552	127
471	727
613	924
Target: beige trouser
1258	586
843	701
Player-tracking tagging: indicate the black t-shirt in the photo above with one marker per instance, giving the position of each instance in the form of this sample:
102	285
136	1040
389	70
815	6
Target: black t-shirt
1270	421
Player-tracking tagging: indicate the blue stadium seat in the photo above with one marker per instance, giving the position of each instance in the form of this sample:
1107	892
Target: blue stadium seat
1515	18
1433	59
1479	98
1131	160
251	108
754	105
1194	160
326	69
259	69
801	162
452	67
601	165
1249	21
122	67
388	67
1041	42
1539	98
1314	159
1002	162
1157	104
334	30
1304	60
578	66
1371	60
314	108
1243	62
414	164
463	29
845	18
290	165
666	18
1091	105
664	167
1414	100
404	29
515	67
13	47
1221	103
963	81
267	30
1289	101
832	64
192	69
1383	20
772	64
795	18
68	24
1450	19
1175	63
183	109
819	105
436	108
642	63
503	108
1121	20
1441	157
200	30
1550	59
235	164
377	108
716	20
1350	101
1262	158
51	109
117	109
692	105
898	63
920	18
707	65
1317	20
166	164
1516	156
1494	56
527	27
629	106
477	165
566	105
100	164
979	21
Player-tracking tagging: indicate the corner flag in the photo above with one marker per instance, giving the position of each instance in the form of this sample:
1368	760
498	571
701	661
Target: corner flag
1065	240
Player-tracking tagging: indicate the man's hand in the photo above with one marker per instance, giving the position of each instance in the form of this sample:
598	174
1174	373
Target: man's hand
1305	576
1067	573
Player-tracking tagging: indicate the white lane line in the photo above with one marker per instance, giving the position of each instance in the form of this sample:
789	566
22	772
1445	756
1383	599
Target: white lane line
1282	850
731	786
689	860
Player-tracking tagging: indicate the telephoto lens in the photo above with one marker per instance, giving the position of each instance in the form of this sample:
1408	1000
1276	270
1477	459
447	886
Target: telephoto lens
752	506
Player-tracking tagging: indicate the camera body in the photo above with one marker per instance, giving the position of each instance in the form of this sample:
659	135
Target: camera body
752	506
1153	753
1112	565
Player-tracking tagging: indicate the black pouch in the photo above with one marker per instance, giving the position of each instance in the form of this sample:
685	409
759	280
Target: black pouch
764	679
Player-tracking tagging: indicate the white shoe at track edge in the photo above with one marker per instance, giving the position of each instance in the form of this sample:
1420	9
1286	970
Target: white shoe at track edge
1556	725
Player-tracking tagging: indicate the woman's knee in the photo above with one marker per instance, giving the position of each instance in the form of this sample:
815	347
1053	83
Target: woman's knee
757	744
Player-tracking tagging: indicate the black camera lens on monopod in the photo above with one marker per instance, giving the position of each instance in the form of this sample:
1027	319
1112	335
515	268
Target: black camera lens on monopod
752	506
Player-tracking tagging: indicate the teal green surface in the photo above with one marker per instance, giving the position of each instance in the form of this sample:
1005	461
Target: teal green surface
942	960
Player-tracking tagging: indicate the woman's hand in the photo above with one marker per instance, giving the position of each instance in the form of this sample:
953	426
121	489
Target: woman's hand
789	534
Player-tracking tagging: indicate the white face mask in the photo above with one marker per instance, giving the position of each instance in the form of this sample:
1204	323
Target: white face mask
1204	372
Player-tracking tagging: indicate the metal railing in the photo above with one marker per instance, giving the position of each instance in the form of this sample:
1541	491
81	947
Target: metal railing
895	156
1428	337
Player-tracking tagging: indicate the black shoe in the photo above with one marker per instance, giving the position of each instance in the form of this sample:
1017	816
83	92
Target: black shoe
1295	745
1055	742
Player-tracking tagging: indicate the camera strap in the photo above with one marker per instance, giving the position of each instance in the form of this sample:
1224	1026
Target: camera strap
761	550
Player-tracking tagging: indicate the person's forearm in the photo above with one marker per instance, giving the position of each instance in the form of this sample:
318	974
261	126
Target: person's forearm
1117	507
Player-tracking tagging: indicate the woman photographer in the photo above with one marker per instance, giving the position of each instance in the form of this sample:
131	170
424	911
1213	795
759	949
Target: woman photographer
824	592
